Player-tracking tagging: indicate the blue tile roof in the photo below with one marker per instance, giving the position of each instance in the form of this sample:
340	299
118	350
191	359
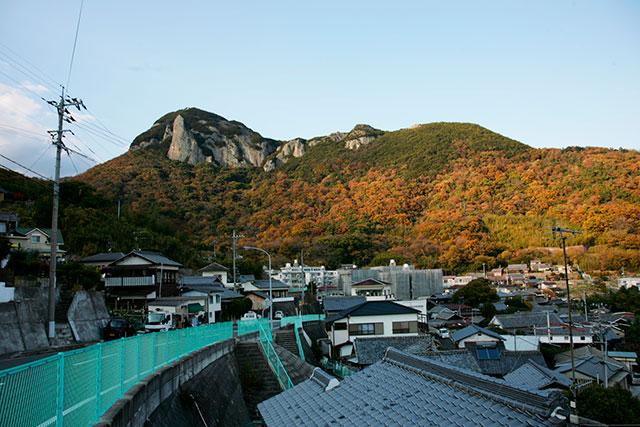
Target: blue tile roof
405	389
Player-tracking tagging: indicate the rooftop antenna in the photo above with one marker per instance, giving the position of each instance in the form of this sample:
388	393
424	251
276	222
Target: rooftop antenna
564	234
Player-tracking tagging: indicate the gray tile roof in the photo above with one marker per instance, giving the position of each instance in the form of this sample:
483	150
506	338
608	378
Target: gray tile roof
214	266
458	358
370	350
341	303
154	257
525	321
103	257
534	376
405	389
472	330
199	280
591	366
373	308
506	362
275	284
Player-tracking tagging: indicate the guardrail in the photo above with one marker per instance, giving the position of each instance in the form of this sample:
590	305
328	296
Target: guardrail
277	367
75	388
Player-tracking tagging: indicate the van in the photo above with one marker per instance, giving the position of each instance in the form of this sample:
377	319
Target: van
443	333
249	315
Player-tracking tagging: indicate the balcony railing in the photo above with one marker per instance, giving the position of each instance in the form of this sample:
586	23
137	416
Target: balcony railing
130	281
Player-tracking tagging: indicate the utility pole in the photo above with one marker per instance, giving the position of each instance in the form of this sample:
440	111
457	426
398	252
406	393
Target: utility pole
61	107
235	237
564	234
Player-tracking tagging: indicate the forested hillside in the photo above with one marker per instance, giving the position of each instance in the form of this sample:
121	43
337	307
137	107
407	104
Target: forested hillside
449	195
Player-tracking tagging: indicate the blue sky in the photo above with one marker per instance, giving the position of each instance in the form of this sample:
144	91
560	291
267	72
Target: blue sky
546	73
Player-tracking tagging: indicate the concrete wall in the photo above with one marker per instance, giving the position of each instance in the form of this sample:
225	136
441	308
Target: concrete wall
88	315
23	321
139	403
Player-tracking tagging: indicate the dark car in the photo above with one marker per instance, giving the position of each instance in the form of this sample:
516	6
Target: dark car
118	328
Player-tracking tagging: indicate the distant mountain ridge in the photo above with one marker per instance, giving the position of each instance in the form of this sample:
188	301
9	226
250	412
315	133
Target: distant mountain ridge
437	194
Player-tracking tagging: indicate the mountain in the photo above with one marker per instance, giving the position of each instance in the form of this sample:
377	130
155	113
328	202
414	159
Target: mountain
452	195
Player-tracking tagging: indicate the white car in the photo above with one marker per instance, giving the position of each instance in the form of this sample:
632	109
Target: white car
249	315
443	333
278	314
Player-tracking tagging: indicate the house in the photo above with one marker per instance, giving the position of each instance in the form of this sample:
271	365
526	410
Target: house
592	369
139	277
537	265
538	377
462	280
8	222
627	358
549	326
209	287
629	282
37	240
371	318
334	305
372	288
517	279
474	333
215	270
405	389
258	299
493	358
521	342
102	259
517	268
278	289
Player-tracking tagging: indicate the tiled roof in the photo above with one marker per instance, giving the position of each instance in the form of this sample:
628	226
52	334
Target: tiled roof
341	303
199	280
505	362
245	278
371	350
472	330
275	284
458	358
371	282
104	257
47	231
405	389
535	376
373	308
214	266
591	366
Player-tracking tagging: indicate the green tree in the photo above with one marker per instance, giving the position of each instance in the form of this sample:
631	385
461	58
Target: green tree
613	405
476	292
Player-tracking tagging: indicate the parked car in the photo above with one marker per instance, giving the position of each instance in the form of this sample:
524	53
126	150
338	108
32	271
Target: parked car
443	333
118	328
249	315
278	314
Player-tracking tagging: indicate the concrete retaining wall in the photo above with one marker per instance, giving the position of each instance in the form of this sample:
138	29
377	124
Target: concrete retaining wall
88	315
139	403
23	321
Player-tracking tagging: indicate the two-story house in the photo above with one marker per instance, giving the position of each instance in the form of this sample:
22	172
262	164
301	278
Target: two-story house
37	240
140	276
371	318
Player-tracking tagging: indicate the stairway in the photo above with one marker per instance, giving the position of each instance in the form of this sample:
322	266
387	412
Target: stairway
62	306
259	383
287	339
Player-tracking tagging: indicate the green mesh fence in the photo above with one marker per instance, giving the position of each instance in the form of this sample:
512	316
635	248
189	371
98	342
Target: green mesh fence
75	388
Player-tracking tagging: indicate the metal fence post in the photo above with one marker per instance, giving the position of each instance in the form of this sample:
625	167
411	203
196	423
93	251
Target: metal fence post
153	351
167	362
122	368
139	357
99	383
60	414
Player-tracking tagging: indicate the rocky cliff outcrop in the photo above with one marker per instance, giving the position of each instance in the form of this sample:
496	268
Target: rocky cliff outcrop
193	136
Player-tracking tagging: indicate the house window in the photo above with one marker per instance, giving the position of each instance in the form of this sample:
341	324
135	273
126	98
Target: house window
340	326
405	327
217	299
35	238
582	338
366	329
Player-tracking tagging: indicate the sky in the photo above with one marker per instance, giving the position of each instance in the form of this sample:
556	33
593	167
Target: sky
546	73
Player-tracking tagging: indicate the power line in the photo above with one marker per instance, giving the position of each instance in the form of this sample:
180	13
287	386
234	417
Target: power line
75	41
43	75
24	167
22	85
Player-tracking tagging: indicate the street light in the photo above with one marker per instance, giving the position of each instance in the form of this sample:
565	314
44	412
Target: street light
270	286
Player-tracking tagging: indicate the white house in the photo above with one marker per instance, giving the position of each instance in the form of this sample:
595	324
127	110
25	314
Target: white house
216	270
548	326
371	318
372	288
474	333
629	282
